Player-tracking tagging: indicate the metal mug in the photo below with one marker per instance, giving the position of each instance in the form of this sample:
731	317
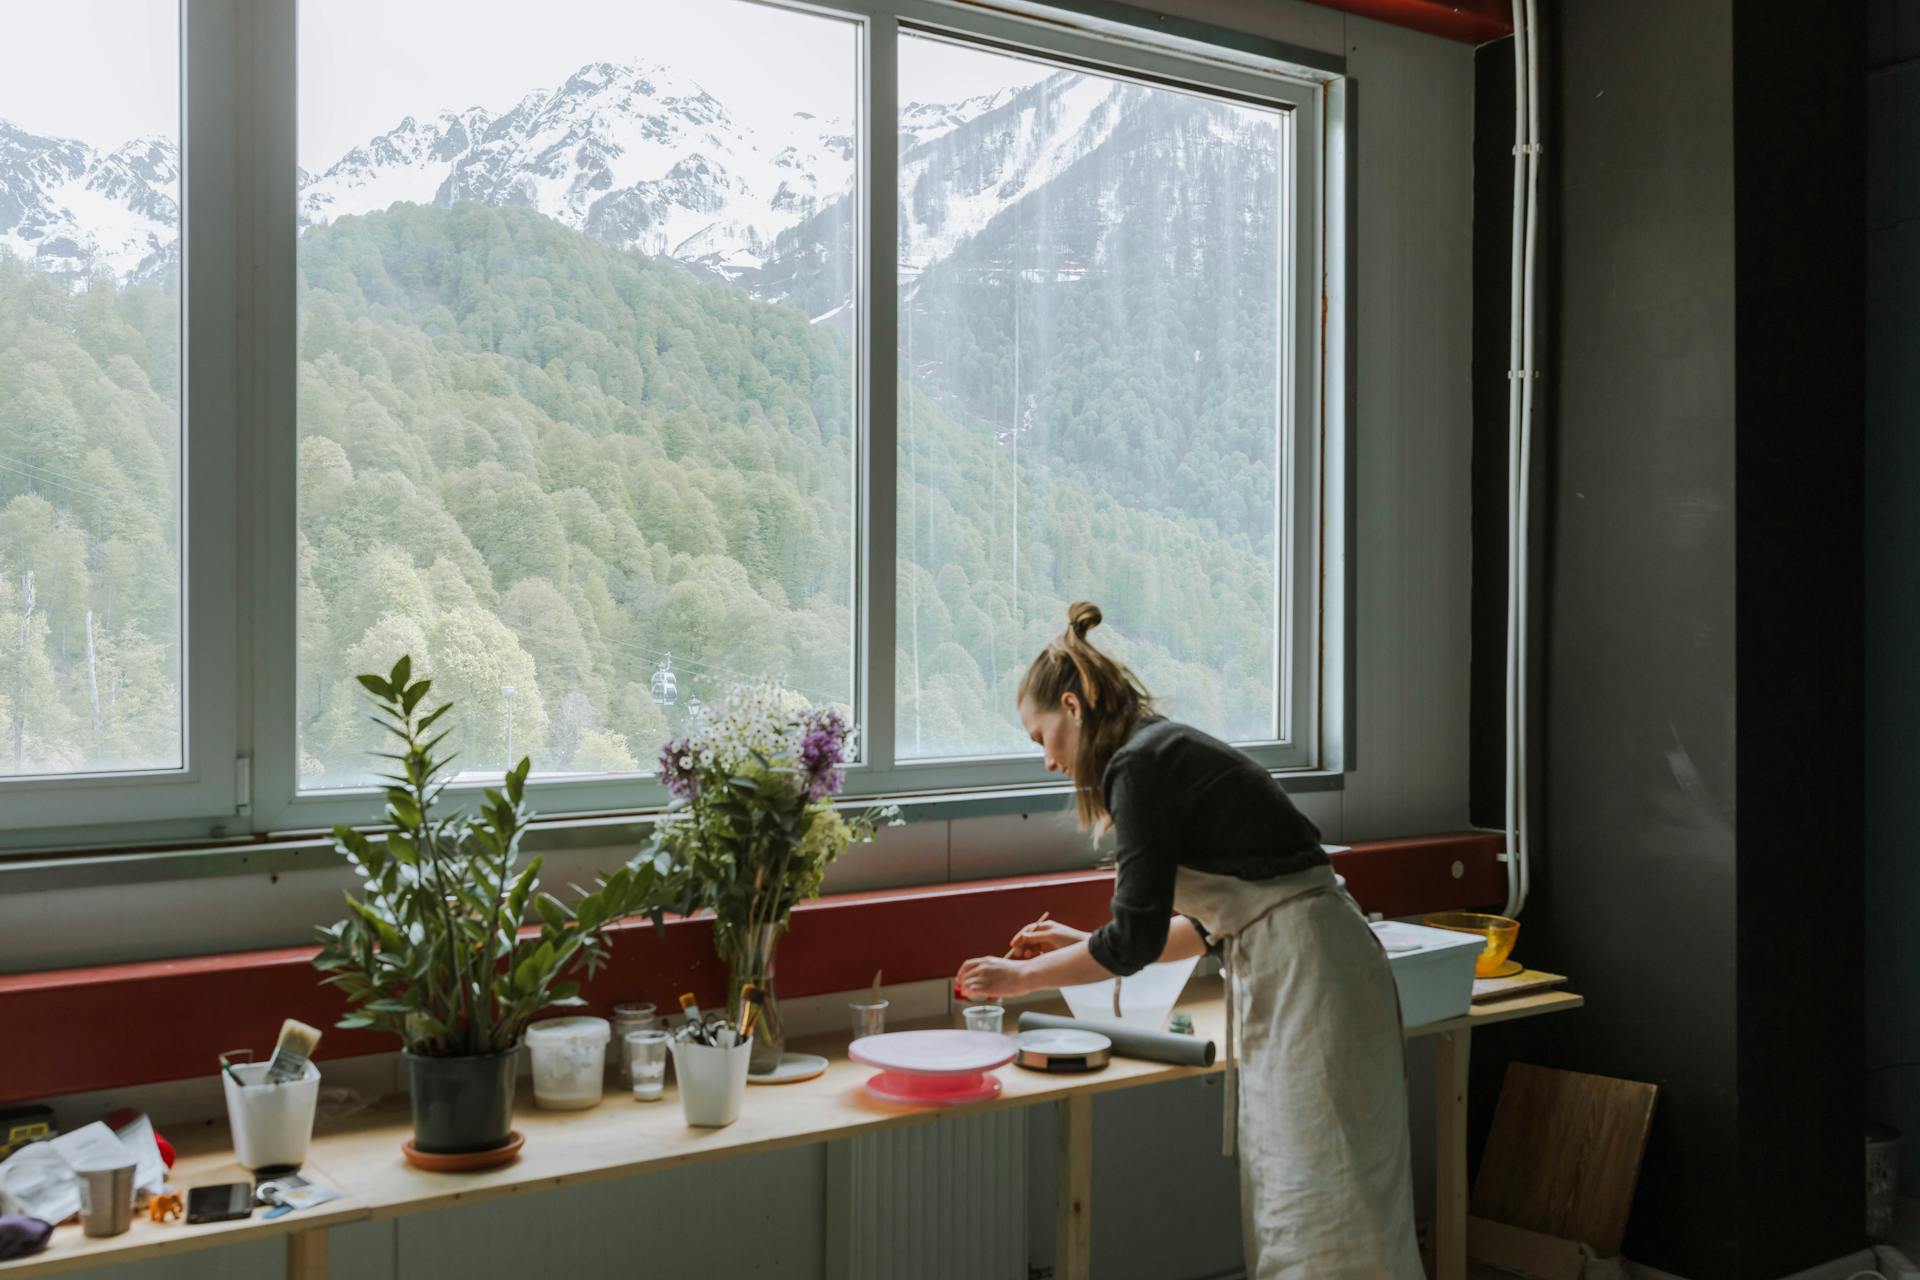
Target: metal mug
106	1198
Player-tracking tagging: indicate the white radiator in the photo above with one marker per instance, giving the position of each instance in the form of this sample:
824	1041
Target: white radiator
939	1201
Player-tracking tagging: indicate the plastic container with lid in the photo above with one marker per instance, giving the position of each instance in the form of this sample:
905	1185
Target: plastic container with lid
1432	968
569	1061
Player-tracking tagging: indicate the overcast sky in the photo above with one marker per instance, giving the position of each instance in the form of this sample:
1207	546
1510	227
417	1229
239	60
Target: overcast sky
367	63
102	71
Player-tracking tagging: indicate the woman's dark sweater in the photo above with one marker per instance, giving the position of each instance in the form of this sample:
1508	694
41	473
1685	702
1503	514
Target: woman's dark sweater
1180	798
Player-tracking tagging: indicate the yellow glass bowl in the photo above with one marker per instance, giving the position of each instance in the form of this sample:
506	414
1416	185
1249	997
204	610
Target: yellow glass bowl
1499	932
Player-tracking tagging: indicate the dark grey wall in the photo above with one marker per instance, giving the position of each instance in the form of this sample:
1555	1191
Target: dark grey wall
1799	278
1698	863
1634	891
1893	570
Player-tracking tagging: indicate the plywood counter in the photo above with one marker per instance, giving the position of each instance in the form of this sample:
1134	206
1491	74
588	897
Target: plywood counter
621	1137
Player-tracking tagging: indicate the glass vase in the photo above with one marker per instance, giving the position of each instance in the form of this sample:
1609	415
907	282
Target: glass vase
751	960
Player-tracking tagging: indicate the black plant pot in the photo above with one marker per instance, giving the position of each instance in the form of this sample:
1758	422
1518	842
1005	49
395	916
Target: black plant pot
462	1104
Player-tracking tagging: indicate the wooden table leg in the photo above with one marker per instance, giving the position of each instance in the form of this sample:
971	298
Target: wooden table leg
307	1255
1073	1188
1450	1144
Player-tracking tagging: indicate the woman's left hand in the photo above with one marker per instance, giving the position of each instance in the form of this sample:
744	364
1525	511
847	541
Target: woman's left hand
992	978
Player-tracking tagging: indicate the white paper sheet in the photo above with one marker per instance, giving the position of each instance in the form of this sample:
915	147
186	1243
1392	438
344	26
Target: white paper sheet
39	1181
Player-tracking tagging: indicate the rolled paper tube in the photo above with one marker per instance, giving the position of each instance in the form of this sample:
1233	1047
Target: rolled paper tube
1130	1040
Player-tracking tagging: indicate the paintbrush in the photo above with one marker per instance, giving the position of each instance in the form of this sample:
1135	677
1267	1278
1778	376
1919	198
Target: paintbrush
696	1026
291	1052
1044	917
958	994
752	1000
874	997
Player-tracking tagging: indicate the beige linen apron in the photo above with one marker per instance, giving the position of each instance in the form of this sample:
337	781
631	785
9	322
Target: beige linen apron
1326	1183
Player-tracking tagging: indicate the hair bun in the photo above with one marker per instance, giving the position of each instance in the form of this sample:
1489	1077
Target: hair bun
1082	617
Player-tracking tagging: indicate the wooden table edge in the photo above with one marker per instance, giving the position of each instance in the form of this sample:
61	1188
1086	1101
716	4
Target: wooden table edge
1048	1089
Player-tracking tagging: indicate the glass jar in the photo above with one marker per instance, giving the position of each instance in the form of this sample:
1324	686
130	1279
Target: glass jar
637	1015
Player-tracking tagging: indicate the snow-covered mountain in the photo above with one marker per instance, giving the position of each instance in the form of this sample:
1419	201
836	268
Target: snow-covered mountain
639	157
644	158
71	210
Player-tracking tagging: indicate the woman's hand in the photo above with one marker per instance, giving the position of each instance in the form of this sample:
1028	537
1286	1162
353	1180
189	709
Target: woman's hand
1043	936
992	978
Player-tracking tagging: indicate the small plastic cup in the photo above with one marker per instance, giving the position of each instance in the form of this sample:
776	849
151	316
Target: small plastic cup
984	1017
868	1019
646	1063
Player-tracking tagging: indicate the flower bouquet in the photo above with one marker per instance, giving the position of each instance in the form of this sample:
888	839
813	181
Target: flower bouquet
752	830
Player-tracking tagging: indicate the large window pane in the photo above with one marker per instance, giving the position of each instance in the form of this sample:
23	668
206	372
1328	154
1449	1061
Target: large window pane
1092	390
576	399
90	429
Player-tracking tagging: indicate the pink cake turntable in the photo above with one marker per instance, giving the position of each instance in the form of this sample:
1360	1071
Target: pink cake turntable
933	1068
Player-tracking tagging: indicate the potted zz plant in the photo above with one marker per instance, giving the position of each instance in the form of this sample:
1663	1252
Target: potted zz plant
752	830
433	949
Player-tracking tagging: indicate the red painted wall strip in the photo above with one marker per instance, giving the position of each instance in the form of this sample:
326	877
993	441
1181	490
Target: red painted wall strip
80	1030
1471	21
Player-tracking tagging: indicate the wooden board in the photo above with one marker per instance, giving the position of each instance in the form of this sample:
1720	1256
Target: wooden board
1564	1155
1526	1254
1485	989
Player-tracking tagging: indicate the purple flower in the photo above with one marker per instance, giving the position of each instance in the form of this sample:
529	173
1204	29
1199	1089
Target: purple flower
677	769
822	744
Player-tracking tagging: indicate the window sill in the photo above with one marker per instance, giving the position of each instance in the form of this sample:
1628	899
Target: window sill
183	1012
281	854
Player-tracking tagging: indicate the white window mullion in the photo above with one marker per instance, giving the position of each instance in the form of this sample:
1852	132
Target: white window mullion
880	481
271	510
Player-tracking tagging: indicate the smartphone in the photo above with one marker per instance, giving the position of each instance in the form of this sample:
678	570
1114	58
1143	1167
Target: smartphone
222	1203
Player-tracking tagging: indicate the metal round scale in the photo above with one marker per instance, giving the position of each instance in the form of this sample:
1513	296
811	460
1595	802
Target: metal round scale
1058	1049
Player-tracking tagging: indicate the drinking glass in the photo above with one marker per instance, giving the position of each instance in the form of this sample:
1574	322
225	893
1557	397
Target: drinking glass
868	1019
647	1063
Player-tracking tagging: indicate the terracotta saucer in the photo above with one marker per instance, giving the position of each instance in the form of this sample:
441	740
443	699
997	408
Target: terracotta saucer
465	1161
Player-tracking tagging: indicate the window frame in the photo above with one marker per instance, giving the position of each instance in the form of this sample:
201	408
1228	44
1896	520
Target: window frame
204	792
240	91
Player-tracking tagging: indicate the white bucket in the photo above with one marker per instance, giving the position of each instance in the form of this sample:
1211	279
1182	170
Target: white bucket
569	1062
272	1123
713	1081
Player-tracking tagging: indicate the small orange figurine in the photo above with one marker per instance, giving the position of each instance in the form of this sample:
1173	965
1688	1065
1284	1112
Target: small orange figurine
166	1206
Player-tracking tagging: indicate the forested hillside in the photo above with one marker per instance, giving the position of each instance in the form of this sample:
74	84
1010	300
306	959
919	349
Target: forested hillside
538	462
89	563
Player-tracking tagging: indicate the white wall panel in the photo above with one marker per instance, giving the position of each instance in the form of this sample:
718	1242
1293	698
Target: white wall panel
1413	437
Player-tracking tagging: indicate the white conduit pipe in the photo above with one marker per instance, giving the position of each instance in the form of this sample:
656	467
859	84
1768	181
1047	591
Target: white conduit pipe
1526	221
1518	271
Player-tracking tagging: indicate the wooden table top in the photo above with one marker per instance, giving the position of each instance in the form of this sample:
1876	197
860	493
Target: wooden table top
622	1137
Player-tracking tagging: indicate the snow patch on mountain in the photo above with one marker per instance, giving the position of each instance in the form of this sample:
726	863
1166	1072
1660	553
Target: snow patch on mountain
70	210
957	181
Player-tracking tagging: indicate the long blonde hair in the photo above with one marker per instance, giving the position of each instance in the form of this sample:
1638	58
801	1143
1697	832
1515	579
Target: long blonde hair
1112	702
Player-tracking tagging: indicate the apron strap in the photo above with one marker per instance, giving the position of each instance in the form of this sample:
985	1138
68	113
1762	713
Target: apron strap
1230	1107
